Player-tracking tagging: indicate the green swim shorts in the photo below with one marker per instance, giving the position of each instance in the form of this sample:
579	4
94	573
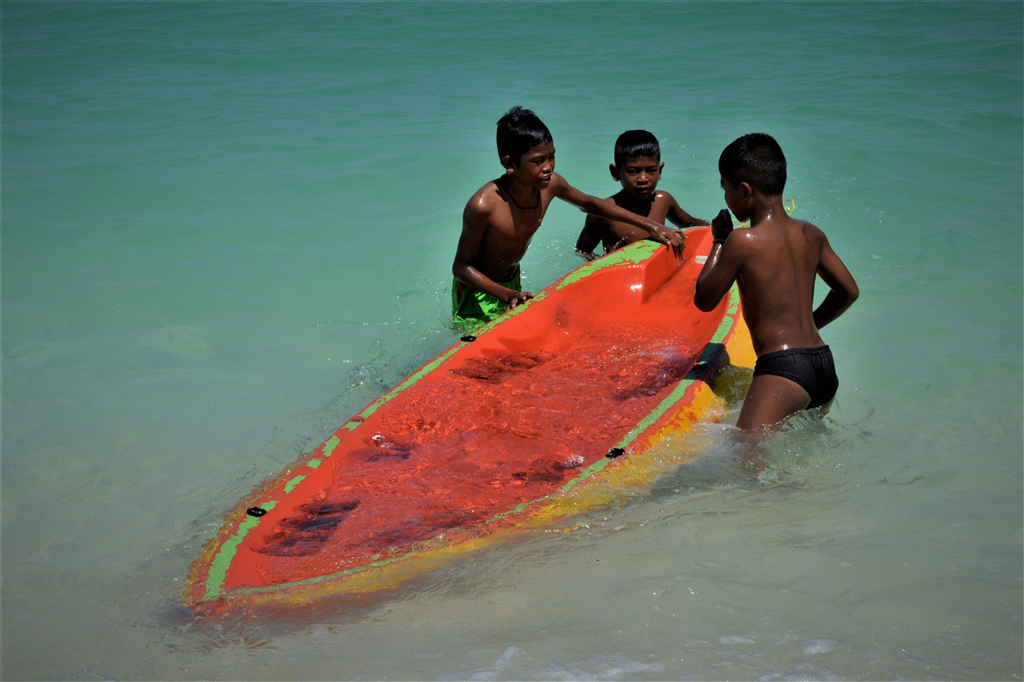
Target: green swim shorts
472	307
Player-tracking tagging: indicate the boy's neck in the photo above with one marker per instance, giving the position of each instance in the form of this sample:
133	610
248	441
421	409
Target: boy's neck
766	209
522	195
641	207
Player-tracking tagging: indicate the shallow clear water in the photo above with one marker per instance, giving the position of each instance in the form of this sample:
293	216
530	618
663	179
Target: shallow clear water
227	228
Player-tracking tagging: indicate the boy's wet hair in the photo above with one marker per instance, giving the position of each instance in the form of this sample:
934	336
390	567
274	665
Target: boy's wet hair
757	160
519	131
634	143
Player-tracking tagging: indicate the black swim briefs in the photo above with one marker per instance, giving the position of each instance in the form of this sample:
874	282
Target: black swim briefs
812	368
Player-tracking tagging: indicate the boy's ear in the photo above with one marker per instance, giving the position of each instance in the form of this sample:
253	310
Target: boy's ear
661	167
506	162
614	170
746	190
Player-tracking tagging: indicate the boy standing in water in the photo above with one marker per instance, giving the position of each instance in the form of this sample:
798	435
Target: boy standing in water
638	167
775	263
501	218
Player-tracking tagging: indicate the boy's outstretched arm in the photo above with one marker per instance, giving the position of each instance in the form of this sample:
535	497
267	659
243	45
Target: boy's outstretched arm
722	266
474	223
844	290
607	209
680	218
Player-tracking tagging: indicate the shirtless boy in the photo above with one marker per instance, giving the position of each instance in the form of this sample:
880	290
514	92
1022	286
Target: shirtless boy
775	263
501	218
638	167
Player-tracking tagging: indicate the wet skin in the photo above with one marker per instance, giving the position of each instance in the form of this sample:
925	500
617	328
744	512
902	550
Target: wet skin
500	219
775	263
639	177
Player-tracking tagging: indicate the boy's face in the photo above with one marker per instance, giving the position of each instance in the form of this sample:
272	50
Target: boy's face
639	175
535	166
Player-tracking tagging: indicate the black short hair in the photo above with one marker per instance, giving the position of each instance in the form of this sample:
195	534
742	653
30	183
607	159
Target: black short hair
757	160
633	143
519	131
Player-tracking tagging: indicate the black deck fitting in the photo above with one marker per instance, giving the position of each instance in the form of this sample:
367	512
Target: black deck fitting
615	452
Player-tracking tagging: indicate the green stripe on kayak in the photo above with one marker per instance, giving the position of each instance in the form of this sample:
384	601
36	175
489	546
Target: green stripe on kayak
329	446
219	568
634	254
425	546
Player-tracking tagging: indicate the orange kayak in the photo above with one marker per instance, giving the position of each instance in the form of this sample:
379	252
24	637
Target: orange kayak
537	416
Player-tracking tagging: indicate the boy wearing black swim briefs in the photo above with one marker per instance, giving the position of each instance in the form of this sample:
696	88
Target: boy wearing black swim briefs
638	167
501	218
775	263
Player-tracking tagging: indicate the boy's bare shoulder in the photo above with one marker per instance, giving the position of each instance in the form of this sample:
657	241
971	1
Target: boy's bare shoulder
804	235
810	231
805	224
744	239
484	200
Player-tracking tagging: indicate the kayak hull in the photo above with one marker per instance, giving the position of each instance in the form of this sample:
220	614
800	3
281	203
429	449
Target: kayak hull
542	414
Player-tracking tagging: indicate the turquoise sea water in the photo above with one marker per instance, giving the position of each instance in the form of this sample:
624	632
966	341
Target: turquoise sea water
227	227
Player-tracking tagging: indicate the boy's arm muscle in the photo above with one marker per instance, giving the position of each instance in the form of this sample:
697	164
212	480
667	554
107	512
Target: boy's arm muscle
475	218
844	290
610	211
717	276
590	237
722	266
680	218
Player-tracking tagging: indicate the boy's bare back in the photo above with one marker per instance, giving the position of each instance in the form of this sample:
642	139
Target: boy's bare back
775	263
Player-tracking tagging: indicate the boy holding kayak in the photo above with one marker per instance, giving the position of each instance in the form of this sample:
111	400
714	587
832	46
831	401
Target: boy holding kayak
775	263
501	218
638	167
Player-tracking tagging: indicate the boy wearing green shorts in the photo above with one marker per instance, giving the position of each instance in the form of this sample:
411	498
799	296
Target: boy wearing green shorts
501	218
